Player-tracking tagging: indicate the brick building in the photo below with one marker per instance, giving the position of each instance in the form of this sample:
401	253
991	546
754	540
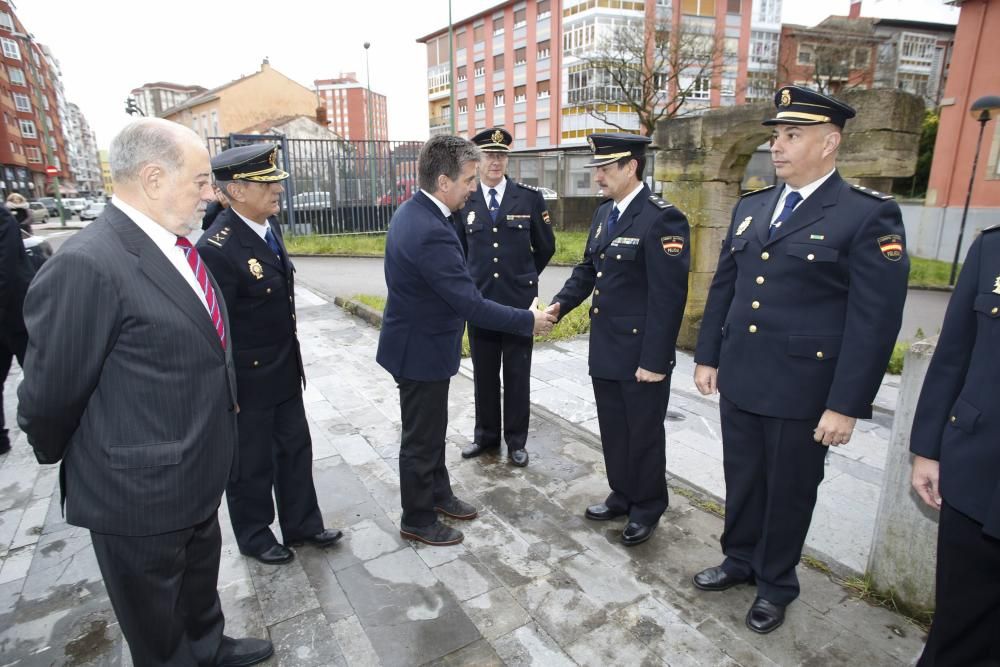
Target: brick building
347	108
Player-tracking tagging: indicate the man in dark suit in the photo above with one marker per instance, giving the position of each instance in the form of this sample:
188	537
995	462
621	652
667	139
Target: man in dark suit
956	442
507	235
801	318
129	382
431	296
636	265
246	254
16	272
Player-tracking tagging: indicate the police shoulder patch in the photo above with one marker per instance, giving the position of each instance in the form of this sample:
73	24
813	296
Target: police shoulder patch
757	191
527	187
220	237
871	193
659	202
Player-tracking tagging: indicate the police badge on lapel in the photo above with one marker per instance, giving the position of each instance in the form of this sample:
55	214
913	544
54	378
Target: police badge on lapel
255	268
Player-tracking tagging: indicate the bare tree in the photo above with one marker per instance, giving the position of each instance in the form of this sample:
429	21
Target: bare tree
652	68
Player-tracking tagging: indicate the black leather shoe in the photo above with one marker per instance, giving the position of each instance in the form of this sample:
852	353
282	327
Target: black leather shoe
475	449
274	555
717	579
322	539
764	616
456	509
519	457
247	651
636	533
602	512
437	534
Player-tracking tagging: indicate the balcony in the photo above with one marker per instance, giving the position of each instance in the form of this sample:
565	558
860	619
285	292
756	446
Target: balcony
440	125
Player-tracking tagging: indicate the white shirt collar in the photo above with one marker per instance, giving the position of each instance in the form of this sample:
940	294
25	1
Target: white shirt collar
445	211
259	229
627	199
164	239
500	187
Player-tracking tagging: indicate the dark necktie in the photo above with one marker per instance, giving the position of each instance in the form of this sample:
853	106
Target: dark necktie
494	206
791	201
612	221
201	275
272	243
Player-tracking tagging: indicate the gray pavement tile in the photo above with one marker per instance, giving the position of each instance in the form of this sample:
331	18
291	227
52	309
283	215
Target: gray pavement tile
306	641
530	645
17	482
63	559
476	654
878	628
283	590
32	522
381	480
332	599
845	651
611	644
337	487
354	644
558	605
495	613
465	577
606	585
9	521
658	625
368	534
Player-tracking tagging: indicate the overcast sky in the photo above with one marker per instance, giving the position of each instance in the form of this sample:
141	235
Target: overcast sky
107	48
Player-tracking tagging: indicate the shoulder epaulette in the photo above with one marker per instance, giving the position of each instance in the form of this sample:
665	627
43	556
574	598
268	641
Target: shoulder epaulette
757	191
992	228
872	193
220	237
527	187
659	202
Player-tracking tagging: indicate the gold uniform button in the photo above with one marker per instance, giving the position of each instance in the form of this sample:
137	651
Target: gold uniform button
753	328
994	310
819	355
953	419
268	290
531	282
496	245
618	256
602	255
597	292
755	305
496	259
257	363
520	226
600	273
496	275
810	257
760	280
765	256
596	310
494	230
635	331
293	316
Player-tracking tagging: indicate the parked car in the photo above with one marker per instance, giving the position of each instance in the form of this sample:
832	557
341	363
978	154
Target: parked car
92	211
37	248
311	201
50	204
39	213
548	193
405	188
74	205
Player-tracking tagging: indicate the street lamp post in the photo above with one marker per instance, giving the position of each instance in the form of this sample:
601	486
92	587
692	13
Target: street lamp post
45	128
371	126
982	110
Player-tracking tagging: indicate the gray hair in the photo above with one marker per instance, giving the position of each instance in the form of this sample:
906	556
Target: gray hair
444	154
144	142
223	187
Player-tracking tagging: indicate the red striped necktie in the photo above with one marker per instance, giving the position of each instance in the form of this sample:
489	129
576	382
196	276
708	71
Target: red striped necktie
201	274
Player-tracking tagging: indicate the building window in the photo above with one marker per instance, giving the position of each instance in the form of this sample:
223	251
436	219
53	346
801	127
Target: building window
520	94
498	26
16	76
734	6
698	7
21	102
215	123
10	48
480	68
763	48
34	153
768	11
916	50
461	73
806	54
477	33
542	50
498	63
463	106
861	58
520	17
498	98
698	88
520	56
28	129
6	21
543	9
480	103
543	89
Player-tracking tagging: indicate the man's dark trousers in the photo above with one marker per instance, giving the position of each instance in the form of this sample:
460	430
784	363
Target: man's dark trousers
275	448
423	477
490	349
163	590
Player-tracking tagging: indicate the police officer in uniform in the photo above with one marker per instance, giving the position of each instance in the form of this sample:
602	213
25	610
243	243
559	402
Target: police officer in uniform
636	265
955	437
801	319
507	235
244	251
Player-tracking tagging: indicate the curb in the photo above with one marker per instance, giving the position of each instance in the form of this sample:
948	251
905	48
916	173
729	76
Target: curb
360	310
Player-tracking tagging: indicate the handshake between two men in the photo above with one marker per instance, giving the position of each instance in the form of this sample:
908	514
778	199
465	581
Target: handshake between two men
544	319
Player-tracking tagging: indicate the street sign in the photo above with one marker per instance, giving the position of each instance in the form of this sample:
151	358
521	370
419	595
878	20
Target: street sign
51	171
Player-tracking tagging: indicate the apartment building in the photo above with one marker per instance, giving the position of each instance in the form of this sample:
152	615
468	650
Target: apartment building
152	99
348	106
85	163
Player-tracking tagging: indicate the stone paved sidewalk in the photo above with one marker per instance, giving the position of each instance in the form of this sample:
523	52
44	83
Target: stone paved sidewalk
533	583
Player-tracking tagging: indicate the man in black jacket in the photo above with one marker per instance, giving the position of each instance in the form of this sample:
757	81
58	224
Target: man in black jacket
16	272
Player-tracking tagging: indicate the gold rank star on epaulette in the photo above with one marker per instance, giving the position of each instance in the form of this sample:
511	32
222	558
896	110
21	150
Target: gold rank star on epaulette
872	193
220	237
528	187
659	202
758	190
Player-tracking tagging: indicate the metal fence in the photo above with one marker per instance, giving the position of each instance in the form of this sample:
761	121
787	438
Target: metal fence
338	187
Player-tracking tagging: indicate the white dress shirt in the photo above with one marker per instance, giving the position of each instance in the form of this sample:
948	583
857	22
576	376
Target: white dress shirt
166	241
500	187
259	229
805	191
445	211
626	200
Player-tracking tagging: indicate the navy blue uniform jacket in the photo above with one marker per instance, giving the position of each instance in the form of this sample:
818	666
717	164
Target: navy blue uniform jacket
807	320
431	296
259	293
958	415
505	257
639	280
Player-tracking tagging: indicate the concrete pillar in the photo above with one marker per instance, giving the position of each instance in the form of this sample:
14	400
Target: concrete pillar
904	553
